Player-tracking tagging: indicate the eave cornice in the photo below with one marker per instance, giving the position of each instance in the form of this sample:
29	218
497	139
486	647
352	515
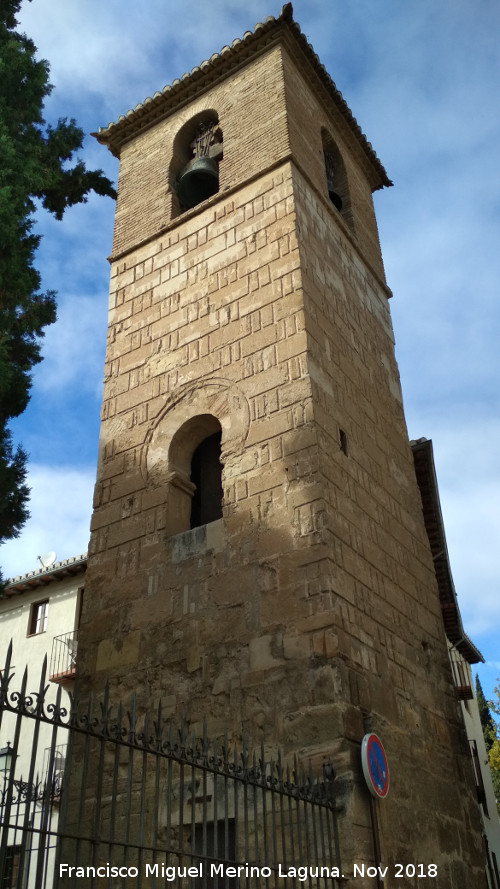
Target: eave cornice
202	77
43	576
425	470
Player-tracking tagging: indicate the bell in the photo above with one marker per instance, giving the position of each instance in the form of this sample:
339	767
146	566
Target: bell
334	196
198	181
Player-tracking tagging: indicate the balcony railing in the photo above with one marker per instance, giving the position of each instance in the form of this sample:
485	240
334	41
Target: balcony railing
54	759
461	678
63	657
478	775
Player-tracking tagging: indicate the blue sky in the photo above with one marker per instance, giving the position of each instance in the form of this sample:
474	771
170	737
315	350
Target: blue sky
422	80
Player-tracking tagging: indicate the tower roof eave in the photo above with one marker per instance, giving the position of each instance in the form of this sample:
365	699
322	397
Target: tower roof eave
202	76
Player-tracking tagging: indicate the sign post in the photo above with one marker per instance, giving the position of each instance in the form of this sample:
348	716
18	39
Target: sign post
376	772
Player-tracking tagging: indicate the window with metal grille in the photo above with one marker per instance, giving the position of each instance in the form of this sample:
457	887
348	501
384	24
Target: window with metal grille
12	867
214	845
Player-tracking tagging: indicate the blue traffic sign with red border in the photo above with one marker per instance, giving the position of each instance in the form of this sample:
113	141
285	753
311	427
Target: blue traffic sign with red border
374	763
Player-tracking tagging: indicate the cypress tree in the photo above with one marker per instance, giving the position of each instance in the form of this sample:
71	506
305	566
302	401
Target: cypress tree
36	163
487	721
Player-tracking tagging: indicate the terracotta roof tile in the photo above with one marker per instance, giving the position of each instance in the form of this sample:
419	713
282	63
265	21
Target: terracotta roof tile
146	113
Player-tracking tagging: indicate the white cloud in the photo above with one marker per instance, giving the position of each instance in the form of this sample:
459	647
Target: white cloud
60	506
74	348
125	51
72	261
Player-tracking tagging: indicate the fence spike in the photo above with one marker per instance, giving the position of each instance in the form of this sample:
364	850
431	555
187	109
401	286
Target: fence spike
105	709
244	754
262	762
58	710
132	717
24	685
5	675
159	726
147	740
8	659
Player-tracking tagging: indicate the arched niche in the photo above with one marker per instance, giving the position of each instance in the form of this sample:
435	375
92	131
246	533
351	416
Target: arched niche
199	411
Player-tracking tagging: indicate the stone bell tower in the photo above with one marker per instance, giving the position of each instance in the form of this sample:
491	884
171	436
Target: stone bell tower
258	552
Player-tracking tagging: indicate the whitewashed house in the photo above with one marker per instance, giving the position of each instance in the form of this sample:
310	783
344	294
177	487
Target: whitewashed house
39	616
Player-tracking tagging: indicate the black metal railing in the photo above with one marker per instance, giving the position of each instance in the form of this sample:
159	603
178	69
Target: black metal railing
63	657
143	802
478	775
461	677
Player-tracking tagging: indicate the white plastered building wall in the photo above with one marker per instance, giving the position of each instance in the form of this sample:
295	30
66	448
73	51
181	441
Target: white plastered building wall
486	796
39	613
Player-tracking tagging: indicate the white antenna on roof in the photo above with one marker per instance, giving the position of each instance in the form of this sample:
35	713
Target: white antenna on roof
47	559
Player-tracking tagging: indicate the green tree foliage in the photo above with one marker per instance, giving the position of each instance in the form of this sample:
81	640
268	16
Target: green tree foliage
494	762
487	721
35	165
494	748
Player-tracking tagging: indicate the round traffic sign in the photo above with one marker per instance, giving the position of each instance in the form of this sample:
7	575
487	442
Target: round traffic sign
374	763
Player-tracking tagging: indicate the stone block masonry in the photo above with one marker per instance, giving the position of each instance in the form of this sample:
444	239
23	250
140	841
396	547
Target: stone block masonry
308	613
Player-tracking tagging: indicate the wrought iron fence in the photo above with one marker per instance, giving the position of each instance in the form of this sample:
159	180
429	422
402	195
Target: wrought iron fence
145	803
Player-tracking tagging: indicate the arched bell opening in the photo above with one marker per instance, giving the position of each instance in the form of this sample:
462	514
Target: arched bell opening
336	178
194	173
